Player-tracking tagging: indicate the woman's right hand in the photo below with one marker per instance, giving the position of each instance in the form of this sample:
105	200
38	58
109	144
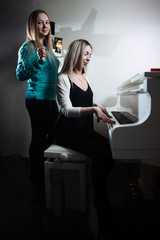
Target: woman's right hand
101	116
41	52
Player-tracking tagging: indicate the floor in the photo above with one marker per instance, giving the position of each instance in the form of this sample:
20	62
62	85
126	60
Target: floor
20	219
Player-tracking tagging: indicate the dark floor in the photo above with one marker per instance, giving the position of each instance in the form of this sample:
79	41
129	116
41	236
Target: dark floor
20	219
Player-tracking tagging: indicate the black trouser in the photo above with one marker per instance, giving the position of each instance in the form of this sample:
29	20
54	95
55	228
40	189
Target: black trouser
98	149
43	115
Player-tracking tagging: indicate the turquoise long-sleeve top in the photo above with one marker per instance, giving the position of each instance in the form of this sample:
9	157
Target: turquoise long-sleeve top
41	75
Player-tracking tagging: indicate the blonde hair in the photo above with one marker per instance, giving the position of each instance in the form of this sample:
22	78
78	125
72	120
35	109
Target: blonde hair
32	35
74	55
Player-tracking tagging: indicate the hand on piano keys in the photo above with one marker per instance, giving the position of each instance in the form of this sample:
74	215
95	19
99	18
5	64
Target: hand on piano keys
102	114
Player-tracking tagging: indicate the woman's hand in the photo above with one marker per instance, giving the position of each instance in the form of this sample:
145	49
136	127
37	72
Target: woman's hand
103	109
41	52
102	114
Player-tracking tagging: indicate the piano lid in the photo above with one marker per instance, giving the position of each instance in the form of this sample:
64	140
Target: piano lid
138	79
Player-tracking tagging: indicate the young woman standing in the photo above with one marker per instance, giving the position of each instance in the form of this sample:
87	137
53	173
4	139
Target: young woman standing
38	65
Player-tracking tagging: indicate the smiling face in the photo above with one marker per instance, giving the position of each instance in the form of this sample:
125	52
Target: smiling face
43	25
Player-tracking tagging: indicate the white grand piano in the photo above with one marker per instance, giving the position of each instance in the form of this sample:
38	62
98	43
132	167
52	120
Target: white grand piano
136	134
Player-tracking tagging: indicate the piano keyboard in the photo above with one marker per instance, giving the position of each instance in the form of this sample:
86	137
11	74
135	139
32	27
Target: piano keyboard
124	117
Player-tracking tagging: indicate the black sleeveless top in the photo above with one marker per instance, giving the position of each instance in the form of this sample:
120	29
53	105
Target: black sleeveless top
79	98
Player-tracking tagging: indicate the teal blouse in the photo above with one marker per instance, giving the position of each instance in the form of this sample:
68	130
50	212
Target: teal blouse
41	75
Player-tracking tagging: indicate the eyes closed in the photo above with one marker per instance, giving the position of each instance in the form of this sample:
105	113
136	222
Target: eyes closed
87	54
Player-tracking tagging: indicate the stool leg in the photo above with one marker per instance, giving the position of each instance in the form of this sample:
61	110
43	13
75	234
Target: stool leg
82	177
63	195
47	184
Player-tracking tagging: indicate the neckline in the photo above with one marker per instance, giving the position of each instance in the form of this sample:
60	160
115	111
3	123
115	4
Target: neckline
78	86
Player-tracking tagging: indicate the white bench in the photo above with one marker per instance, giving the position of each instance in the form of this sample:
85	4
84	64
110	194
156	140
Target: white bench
64	158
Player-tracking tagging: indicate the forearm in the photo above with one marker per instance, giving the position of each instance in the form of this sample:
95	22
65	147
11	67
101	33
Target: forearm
28	62
85	111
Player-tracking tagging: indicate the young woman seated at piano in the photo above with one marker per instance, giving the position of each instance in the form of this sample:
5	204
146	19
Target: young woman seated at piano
75	128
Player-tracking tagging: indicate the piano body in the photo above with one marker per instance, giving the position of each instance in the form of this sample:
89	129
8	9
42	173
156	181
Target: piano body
139	99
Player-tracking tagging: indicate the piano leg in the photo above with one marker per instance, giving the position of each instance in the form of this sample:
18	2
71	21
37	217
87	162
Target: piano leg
146	180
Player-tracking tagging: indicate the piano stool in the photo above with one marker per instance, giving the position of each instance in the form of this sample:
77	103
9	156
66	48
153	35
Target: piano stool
62	158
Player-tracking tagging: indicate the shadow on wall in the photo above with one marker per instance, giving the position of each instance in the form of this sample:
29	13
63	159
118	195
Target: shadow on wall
14	123
103	44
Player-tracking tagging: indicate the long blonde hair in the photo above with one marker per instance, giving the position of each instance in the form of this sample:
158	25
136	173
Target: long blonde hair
32	35
74	55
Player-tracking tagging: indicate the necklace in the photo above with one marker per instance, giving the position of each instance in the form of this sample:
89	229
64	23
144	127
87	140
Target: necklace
81	82
80	79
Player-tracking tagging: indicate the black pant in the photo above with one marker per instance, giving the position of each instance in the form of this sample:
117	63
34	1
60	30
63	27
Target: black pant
43	115
98	149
